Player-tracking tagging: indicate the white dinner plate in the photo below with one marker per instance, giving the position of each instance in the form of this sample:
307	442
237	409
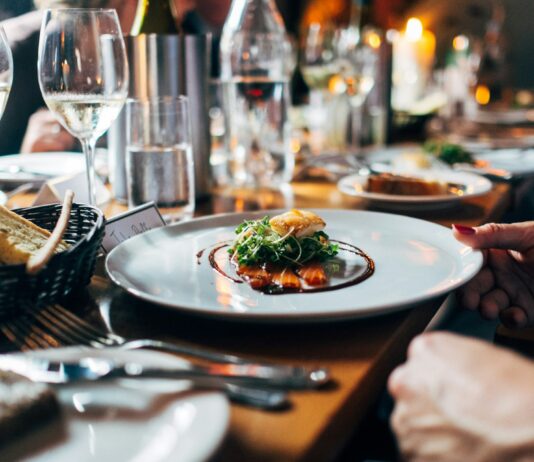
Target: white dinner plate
415	260
518	162
515	163
503	116
127	420
38	167
474	185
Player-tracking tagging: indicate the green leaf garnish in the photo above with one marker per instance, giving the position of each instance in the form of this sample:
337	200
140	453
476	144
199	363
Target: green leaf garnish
258	243
448	152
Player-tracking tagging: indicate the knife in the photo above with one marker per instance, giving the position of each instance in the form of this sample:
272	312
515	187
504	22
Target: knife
93	369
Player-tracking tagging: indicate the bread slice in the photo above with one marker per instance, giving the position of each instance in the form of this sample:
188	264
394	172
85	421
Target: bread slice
20	238
24	405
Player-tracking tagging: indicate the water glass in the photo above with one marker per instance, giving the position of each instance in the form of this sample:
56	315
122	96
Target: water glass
159	158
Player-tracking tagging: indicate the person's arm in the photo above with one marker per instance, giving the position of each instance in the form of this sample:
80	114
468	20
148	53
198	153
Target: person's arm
460	399
505	286
44	133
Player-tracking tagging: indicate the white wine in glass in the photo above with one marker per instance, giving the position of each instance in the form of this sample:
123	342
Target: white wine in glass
83	74
318	62
6	70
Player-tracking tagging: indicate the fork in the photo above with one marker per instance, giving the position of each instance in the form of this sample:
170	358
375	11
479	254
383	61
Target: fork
28	336
67	328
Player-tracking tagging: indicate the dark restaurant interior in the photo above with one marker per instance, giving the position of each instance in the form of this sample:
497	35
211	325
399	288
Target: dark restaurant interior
267	230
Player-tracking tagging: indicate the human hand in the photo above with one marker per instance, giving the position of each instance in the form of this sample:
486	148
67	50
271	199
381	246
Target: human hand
460	399
44	133
504	287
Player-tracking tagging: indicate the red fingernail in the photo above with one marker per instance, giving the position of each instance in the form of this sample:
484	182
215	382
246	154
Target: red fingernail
467	230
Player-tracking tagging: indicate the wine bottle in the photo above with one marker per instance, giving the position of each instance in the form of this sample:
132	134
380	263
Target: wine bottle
360	13
155	17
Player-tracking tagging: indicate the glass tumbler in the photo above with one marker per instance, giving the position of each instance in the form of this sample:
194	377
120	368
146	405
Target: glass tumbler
159	158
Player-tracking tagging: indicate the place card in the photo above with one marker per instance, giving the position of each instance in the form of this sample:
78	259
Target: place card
131	223
54	190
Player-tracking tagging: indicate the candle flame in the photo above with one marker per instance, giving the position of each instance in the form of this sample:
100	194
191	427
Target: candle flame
414	29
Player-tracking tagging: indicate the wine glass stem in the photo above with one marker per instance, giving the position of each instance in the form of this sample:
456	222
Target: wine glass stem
88	146
356	119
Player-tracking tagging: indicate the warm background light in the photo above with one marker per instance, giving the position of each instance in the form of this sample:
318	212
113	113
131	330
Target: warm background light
414	29
482	95
373	39
460	43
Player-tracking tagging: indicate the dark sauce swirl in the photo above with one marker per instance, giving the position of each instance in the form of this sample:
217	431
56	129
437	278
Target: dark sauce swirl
275	290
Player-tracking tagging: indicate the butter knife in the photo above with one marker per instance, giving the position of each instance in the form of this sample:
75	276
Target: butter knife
95	369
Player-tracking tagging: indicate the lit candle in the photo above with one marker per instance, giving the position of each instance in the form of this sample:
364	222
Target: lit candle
413	59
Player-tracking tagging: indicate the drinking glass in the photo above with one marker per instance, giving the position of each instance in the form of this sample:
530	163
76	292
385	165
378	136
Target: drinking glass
83	74
6	70
318	60
159	158
357	61
319	66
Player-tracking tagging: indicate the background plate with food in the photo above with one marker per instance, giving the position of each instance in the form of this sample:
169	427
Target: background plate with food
499	165
418	189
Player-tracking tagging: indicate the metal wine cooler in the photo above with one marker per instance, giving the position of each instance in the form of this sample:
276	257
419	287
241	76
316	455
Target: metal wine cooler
167	65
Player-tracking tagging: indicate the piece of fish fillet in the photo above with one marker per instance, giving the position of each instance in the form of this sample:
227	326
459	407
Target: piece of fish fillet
298	223
286	278
256	276
313	273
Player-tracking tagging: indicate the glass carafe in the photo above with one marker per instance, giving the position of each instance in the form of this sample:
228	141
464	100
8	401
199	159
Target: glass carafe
256	65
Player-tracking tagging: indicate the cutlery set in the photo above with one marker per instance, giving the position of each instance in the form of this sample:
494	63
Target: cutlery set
256	384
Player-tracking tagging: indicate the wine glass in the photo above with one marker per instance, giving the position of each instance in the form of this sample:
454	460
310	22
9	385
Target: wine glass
357	61
320	70
83	74
6	70
318	61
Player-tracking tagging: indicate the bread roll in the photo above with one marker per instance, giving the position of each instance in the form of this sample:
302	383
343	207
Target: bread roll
20	238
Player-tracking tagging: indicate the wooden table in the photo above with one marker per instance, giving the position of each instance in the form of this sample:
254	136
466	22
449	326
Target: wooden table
359	354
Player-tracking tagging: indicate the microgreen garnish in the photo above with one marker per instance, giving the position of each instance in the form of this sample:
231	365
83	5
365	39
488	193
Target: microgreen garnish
258	243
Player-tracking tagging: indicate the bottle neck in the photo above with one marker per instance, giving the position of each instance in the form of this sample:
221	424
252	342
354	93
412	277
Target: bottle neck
155	17
259	16
360	14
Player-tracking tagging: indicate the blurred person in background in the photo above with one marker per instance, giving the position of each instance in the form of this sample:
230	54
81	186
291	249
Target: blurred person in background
27	126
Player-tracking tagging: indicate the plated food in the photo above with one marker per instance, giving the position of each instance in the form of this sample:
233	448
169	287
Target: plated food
414	260
415	190
404	185
289	252
449	153
119	420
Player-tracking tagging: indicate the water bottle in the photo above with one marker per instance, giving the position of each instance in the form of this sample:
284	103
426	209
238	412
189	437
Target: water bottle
256	66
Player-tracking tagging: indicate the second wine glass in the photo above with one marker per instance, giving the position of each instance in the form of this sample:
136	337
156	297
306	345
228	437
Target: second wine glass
83	74
6	70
